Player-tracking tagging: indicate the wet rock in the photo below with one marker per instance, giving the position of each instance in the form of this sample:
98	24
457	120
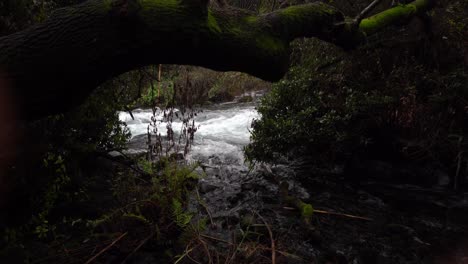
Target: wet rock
379	169
247	186
338	169
368	199
334	258
267	199
281	171
400	229
266	171
443	180
324	196
245	99
313	235
235	199
458	214
205	187
230	221
371	255
144	257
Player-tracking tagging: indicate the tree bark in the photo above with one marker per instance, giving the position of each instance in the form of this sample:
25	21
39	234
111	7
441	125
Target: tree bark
55	65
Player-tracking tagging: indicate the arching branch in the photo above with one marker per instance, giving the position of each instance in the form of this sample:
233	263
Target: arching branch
54	65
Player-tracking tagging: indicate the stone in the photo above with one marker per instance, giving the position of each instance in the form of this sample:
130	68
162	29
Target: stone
205	187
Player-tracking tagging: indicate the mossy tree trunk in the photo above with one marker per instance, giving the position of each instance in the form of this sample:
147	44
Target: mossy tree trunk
55	65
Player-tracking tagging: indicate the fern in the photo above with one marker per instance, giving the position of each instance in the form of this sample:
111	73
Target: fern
181	218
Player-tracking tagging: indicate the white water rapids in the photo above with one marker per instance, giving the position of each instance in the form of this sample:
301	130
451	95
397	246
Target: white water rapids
222	131
227	187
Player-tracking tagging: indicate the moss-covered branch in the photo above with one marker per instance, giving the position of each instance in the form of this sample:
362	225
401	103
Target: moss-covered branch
394	15
54	65
305	209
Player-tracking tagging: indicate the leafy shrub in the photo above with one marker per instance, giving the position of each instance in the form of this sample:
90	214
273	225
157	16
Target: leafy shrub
399	97
302	116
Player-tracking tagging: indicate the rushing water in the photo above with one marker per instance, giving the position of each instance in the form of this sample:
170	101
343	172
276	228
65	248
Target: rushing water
228	188
223	131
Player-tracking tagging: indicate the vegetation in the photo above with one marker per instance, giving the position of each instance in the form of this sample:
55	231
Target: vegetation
371	104
397	96
222	39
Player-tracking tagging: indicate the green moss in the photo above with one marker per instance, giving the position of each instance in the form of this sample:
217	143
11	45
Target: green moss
251	19
161	3
302	11
107	4
212	23
374	23
136	218
293	11
307	211
236	30
327	8
272	44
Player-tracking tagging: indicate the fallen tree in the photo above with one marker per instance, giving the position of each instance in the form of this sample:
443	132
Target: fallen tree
55	65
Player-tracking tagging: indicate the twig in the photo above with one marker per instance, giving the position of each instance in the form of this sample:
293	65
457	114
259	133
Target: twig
217	239
289	255
125	162
129	112
192	259
202	203
366	11
284	253
138	247
106	248
186	252
273	248
333	213
345	215
205	247
236	249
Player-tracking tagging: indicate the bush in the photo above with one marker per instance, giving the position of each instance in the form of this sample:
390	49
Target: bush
398	98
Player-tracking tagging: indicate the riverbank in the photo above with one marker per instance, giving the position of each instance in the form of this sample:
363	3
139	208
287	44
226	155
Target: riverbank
354	222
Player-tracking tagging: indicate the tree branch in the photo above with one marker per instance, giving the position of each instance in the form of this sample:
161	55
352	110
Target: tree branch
55	65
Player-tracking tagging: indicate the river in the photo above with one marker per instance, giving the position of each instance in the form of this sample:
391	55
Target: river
223	130
229	188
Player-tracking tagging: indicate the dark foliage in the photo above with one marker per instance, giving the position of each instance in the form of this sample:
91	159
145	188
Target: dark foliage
402	97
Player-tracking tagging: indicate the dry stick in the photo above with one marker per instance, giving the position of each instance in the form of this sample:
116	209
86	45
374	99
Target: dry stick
138	247
273	249
366	10
286	254
333	213
106	248
205	247
202	203
192	259
340	214
237	248
186	252
289	255
216	239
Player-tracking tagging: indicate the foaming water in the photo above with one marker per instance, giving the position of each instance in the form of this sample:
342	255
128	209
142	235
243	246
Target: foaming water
222	132
228	186
140	124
